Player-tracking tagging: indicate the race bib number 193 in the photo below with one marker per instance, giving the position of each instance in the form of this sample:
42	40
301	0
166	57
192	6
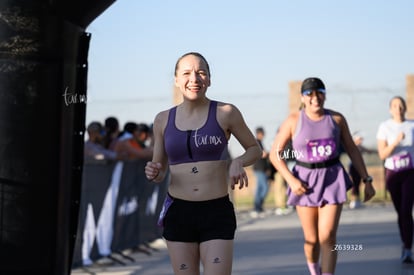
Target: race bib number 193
321	149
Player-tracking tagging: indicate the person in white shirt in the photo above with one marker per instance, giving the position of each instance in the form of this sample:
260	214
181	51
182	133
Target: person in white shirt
395	140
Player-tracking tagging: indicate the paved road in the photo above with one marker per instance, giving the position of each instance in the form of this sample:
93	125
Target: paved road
273	245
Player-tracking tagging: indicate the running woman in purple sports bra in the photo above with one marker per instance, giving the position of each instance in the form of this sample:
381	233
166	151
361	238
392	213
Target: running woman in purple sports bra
190	140
318	182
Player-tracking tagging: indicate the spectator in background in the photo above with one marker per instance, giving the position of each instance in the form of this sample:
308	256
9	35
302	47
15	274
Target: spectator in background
280	185
132	142
142	135
260	168
94	149
111	133
356	202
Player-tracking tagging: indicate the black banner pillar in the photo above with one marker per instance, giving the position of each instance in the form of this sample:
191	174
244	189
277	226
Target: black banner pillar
43	76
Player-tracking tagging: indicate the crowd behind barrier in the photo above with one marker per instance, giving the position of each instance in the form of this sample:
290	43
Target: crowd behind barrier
119	209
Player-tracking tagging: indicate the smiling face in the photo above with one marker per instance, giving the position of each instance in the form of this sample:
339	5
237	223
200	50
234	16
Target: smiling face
192	76
313	100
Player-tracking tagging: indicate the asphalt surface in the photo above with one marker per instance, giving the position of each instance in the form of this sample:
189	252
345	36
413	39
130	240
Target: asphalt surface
368	243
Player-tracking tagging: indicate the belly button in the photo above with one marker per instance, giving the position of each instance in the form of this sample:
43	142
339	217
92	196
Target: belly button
195	189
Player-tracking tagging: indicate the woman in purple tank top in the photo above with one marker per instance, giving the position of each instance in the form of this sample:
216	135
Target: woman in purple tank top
190	141
318	182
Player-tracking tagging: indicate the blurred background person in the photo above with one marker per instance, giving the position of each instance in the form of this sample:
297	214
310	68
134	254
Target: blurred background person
280	184
111	132
260	169
131	142
395	139
143	135
356	202
93	148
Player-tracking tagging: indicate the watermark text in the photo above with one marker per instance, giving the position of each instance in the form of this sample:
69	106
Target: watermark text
73	98
289	154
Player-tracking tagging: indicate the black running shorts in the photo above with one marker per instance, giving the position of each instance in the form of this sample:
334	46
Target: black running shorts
200	221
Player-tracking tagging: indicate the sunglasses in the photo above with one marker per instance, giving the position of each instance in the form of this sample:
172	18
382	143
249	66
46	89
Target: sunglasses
309	91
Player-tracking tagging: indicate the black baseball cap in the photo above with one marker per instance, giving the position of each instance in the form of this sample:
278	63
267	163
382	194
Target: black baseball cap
312	83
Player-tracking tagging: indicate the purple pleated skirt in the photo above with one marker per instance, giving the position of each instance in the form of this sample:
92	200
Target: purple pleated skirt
326	186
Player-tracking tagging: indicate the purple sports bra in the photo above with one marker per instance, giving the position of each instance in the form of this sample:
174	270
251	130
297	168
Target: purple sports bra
207	143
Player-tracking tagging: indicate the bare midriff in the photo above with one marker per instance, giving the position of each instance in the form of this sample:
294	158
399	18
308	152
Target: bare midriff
199	181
